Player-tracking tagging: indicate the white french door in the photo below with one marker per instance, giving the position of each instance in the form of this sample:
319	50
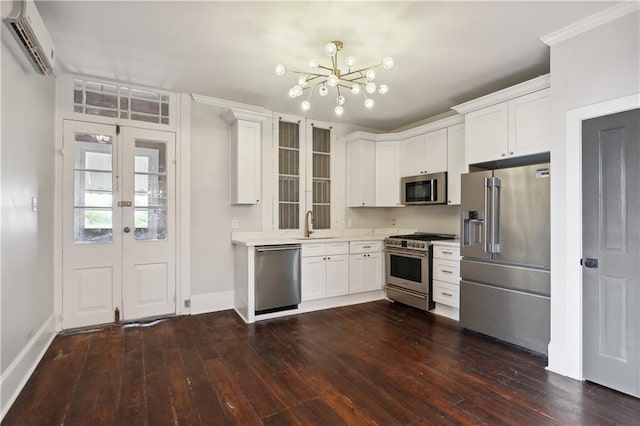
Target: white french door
118	224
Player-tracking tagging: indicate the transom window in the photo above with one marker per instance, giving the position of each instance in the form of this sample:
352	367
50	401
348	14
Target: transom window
111	100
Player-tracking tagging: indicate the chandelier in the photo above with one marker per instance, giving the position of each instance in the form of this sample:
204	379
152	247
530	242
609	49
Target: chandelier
356	81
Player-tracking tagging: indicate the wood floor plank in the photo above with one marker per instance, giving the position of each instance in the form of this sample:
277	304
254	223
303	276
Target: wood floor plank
376	363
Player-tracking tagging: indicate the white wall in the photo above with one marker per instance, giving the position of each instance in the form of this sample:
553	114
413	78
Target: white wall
211	211
27	146
595	66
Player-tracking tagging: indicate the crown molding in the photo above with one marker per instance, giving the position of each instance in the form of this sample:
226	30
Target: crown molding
231	115
591	22
529	86
405	134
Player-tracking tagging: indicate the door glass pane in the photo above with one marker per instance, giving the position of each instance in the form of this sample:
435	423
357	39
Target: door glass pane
93	189
150	187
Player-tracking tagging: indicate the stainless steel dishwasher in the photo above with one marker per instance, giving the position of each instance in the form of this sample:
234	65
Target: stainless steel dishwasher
277	283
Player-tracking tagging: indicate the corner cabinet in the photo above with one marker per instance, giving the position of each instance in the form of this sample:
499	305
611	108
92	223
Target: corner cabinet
513	122
246	160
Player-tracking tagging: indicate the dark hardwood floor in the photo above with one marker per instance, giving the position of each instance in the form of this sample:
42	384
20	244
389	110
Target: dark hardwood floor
376	363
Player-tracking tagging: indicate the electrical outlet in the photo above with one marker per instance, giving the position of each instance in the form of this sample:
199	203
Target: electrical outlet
234	224
187	303
349	223
34	204
393	222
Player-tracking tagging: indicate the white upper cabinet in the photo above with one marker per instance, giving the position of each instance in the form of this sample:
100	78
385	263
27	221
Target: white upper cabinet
361	173
510	123
246	141
456	164
530	123
388	174
424	154
487	134
377	162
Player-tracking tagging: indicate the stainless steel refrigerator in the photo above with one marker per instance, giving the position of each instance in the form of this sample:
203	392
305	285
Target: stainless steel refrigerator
505	248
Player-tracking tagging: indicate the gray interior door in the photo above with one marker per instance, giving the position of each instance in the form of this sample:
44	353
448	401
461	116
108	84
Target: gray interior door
523	219
611	255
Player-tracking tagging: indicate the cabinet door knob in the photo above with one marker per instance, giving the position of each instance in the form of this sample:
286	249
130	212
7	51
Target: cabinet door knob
363	204
511	153
257	201
503	154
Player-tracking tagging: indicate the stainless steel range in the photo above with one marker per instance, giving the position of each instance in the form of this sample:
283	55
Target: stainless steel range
408	268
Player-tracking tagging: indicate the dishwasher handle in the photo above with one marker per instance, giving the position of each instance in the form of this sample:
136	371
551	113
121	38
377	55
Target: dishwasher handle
262	249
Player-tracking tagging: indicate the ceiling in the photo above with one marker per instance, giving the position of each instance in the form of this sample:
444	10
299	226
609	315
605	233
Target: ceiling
445	53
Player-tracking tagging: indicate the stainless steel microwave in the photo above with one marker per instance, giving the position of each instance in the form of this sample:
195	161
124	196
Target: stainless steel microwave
424	189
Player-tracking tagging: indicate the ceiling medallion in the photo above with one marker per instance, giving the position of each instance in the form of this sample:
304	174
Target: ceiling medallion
355	81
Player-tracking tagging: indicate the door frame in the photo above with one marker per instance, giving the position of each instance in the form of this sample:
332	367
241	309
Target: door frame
565	357
180	124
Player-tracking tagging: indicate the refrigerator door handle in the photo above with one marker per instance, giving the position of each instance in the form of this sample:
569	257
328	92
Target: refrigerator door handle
486	245
495	214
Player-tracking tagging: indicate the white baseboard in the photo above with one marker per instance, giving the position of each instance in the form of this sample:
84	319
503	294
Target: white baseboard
446	311
16	375
212	302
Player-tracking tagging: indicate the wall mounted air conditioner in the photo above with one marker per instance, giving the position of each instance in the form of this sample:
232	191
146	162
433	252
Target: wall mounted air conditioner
32	35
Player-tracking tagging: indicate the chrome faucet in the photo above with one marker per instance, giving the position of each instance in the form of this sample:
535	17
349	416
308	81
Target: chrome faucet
307	228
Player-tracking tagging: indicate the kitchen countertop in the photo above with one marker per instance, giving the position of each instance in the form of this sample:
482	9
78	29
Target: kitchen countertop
251	242
451	243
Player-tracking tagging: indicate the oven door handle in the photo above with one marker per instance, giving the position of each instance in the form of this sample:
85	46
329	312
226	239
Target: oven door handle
407	254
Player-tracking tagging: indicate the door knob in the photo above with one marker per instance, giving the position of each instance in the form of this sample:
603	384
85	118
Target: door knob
589	262
126	229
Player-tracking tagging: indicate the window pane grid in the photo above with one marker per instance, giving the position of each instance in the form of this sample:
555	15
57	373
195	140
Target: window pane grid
108	100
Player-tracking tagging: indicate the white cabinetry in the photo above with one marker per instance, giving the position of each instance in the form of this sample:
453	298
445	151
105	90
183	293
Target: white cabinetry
325	270
510	123
361	173
530	123
487	133
387	174
425	153
365	266
446	275
456	164
246	140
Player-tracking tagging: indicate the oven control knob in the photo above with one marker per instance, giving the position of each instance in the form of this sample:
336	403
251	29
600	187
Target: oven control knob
422	245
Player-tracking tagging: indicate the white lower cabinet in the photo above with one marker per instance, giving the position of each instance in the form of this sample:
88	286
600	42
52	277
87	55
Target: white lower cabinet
446	275
365	266
325	270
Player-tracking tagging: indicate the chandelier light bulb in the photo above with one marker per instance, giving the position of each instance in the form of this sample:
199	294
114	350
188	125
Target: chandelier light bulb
302	81
340	100
370	75
387	63
313	64
350	62
330	49
306	105
382	89
280	70
355	89
322	90
292	92
370	87
339	110
332	80
368	103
